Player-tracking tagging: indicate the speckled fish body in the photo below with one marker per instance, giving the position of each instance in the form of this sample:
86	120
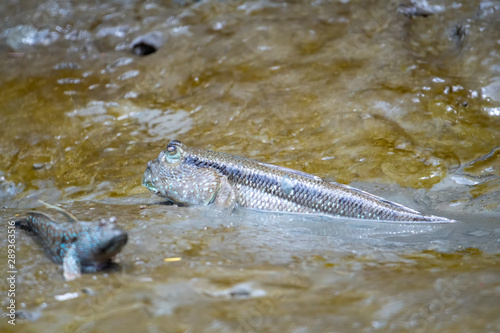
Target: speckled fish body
79	246
196	176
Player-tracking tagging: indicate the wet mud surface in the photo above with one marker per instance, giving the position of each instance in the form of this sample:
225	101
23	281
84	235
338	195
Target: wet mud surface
400	101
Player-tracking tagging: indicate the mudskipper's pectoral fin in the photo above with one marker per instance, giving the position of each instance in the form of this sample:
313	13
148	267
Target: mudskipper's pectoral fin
226	198
71	265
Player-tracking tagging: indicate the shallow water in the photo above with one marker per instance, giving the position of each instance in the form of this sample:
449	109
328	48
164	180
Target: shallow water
405	108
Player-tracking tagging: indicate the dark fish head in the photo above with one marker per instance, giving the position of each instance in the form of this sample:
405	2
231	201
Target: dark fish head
113	238
101	242
170	176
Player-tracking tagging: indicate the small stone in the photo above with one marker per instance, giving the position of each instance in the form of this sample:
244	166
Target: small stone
240	292
38	166
66	296
148	43
88	291
142	49
413	11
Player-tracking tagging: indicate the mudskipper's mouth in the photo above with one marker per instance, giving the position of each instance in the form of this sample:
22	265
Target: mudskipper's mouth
147	182
149	185
147	179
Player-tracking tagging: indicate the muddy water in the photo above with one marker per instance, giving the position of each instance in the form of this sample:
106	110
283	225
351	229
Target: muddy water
404	107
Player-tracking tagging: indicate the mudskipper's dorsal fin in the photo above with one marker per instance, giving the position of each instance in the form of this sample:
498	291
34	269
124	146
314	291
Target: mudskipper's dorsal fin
287	170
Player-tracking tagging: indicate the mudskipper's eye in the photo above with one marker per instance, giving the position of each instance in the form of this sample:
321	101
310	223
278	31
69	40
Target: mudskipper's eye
171	150
173	153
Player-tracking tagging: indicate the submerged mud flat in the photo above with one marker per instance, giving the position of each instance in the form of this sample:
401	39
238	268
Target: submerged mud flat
401	101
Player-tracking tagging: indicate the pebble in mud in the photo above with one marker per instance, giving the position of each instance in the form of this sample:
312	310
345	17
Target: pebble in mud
147	43
88	291
38	166
142	49
413	11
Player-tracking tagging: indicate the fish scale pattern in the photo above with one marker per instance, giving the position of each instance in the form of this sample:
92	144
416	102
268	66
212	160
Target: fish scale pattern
269	187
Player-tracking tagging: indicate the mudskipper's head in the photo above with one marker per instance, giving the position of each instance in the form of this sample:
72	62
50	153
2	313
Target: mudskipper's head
102	242
158	177
176	176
